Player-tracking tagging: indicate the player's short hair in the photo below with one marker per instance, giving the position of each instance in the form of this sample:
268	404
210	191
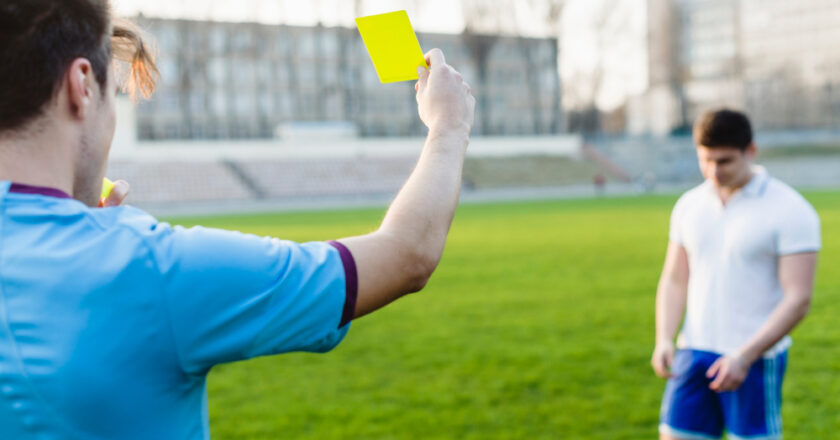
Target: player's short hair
39	39
723	128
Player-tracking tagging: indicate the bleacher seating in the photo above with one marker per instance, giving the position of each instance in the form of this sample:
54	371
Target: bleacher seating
166	181
251	179
318	177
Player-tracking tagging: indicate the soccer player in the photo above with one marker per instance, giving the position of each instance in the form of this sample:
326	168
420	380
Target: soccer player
740	267
110	320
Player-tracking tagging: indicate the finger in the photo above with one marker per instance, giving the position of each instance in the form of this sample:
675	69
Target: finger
660	372
717	384
666	362
660	368
117	194
654	362
422	79
669	359
469	89
435	58
727	384
713	370
664	372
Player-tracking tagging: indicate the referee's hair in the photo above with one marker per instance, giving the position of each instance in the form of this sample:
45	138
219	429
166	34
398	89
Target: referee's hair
723	128
39	39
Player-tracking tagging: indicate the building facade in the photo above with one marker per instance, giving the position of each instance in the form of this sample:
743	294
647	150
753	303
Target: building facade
244	80
775	59
791	62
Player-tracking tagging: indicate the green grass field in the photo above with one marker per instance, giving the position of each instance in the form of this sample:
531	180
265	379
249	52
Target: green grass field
537	324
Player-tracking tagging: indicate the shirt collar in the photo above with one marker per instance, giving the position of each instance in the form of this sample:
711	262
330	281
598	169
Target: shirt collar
20	188
753	188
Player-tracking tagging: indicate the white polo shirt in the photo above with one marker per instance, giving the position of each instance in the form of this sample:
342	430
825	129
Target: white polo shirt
733	253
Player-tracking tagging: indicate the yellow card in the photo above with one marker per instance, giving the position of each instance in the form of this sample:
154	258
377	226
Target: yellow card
392	45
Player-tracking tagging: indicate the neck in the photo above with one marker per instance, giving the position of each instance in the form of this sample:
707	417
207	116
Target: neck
726	192
38	161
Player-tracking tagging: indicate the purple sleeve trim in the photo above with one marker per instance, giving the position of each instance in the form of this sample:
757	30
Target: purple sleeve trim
20	188
351	282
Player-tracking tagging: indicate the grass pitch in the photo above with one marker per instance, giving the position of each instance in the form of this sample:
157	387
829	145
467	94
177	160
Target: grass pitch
538	324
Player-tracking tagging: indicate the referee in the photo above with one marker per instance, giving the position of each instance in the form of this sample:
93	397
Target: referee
110	320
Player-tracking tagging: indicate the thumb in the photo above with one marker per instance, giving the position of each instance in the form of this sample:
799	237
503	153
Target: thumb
117	194
435	58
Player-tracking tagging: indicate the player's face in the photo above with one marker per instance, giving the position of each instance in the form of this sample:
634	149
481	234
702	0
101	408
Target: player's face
96	143
725	166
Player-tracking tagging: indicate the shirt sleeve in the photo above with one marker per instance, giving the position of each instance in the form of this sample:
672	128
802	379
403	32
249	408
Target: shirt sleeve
232	296
798	229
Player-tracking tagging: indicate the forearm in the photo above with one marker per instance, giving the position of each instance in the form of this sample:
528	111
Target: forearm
422	212
790	311
670	307
401	255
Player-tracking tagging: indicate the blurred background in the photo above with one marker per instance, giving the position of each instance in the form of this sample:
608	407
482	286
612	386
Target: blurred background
539	322
574	97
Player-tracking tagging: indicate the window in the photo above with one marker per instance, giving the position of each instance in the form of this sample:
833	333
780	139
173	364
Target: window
169	102
167	37
242	39
218	39
244	102
217	70
330	44
266	101
306	45
283	73
244	73
168	70
198	104
282	44
285	106
265	72
219	103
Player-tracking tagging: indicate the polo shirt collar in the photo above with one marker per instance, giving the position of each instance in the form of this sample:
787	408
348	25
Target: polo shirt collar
755	187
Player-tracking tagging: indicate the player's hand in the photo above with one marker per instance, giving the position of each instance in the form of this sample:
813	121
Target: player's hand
444	100
729	373
663	359
117	194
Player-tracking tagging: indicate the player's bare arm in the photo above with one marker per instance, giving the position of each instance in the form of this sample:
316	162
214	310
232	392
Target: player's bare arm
401	255
670	306
796	276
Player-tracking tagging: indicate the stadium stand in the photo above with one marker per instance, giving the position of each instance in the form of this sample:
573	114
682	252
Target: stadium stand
162	182
226	179
318	177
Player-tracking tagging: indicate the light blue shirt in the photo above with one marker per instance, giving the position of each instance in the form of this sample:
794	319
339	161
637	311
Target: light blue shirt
110	320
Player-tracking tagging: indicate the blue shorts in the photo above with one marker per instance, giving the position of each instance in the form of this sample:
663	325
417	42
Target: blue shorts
690	410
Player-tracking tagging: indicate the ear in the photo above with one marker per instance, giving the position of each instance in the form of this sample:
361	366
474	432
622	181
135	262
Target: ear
80	87
752	150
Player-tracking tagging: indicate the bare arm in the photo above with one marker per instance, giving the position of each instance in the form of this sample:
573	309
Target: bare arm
401	255
796	275
670	307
